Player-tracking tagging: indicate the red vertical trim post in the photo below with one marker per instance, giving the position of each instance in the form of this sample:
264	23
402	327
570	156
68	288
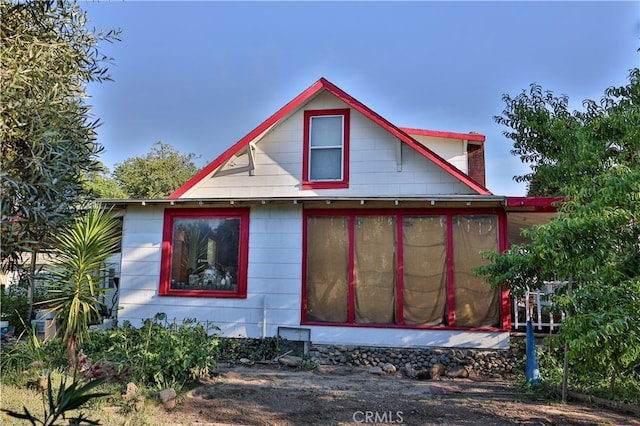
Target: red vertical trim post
167	251
352	260
346	146
451	298
303	308
243	258
306	143
505	298
400	263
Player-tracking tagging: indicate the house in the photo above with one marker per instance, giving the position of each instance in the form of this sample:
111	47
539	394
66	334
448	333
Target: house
328	221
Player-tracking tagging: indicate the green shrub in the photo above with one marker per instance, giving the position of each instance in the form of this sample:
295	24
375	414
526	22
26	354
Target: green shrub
30	353
589	382
158	354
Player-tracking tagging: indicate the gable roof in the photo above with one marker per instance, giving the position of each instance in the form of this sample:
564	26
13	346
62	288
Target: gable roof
324	85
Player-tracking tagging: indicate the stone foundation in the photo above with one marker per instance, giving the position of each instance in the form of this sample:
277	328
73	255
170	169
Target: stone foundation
475	361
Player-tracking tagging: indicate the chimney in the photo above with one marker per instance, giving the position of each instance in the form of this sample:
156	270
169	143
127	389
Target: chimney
475	162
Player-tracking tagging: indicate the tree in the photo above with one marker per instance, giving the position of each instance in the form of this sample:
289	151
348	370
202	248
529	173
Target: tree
74	292
593	159
100	184
554	141
48	134
157	174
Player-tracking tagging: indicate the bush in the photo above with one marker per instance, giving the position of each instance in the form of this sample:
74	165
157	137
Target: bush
30	355
157	354
593	383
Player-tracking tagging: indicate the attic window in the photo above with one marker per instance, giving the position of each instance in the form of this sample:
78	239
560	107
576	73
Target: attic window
326	149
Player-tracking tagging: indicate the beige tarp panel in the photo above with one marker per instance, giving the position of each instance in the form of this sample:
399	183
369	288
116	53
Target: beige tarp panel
375	269
424	270
476	303
327	268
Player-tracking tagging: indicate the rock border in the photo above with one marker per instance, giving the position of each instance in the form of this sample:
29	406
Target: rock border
420	361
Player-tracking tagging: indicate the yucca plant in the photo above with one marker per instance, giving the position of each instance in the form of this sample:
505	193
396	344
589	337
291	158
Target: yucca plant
67	399
74	293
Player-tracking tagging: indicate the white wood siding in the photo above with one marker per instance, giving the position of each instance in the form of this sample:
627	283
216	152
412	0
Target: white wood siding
402	338
452	150
274	281
373	164
274	275
274	287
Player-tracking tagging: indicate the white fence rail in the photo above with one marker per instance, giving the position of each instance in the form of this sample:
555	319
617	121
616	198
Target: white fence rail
536	306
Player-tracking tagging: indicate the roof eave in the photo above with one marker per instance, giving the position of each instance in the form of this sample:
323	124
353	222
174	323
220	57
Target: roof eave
432	199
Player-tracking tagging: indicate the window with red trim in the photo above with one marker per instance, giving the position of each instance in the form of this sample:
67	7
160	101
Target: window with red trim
399	269
204	253
326	149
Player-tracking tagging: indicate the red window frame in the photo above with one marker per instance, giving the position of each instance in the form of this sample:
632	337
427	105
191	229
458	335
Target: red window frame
307	183
504	320
167	251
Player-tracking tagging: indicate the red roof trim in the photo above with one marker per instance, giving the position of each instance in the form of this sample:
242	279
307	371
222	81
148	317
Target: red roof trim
476	137
352	102
400	134
281	113
539	203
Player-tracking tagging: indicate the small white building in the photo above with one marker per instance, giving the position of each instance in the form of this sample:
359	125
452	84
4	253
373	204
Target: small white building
329	222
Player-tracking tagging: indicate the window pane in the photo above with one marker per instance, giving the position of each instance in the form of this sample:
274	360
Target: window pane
326	164
205	254
424	270
327	282
375	269
326	131
476	303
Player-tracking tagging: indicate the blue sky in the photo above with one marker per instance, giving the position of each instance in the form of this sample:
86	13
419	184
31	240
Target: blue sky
201	75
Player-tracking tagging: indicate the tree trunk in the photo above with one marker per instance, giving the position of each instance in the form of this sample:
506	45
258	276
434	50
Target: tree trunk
565	364
30	287
71	354
565	373
612	381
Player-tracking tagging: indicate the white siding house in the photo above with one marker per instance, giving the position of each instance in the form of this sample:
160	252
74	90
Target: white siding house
329	219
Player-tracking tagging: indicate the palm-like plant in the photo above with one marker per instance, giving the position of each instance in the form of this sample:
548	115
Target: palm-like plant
80	252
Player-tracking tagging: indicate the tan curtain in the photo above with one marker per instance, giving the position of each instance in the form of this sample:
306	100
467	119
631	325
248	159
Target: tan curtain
424	270
179	260
476	303
375	269
327	268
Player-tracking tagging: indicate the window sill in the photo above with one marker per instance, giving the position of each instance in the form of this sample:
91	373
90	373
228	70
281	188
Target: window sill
203	293
324	185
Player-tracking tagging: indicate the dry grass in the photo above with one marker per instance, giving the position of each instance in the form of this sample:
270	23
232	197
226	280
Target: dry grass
15	398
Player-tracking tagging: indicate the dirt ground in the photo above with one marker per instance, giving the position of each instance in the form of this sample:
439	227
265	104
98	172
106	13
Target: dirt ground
279	396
